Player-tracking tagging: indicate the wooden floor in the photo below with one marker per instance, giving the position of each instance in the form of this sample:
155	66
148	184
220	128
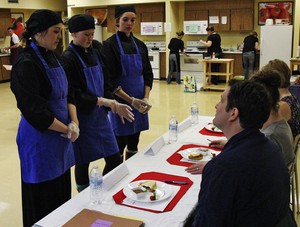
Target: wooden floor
165	99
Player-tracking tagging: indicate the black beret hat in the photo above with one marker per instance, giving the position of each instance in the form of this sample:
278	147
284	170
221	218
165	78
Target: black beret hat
81	22
41	20
119	10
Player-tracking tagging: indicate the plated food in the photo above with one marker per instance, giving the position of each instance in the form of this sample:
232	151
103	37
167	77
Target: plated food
197	154
213	128
148	191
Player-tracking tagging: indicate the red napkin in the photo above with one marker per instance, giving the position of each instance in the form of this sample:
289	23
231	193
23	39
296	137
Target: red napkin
119	196
206	132
175	158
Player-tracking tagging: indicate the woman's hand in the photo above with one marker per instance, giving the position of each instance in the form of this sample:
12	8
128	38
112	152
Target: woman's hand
73	131
146	100
123	110
139	105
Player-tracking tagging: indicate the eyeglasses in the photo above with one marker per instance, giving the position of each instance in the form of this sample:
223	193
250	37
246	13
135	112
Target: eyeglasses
126	19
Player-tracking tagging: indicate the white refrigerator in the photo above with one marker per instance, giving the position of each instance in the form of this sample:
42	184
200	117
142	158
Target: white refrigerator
275	42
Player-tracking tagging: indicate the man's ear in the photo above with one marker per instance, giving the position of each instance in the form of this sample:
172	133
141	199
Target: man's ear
234	114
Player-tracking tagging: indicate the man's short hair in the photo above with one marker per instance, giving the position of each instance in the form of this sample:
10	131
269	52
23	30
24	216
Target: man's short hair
10	28
253	102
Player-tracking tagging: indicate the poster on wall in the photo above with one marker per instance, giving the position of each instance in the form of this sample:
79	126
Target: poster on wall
277	12
17	20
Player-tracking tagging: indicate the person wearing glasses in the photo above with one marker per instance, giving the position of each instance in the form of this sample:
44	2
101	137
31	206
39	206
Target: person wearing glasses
93	98
131	76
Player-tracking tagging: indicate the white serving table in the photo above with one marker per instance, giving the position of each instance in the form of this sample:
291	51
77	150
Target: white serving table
136	165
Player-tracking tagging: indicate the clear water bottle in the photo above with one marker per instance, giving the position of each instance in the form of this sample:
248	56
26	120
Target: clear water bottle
96	185
194	113
213	55
173	126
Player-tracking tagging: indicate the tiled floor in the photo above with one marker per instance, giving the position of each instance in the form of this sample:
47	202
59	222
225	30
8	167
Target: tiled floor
165	99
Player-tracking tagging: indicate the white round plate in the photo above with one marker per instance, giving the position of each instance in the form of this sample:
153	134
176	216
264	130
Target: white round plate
185	154
212	128
163	191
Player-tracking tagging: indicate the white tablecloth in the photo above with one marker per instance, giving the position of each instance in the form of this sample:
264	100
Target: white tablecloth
138	164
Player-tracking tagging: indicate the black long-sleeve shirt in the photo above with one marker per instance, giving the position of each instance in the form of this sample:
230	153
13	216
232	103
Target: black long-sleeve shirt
175	45
112	54
85	102
32	87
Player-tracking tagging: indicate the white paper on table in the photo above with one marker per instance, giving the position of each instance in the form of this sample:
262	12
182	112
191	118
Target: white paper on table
156	146
158	206
115	176
184	125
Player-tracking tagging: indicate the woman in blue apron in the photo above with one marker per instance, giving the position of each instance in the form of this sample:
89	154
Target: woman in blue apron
45	131
86	75
131	76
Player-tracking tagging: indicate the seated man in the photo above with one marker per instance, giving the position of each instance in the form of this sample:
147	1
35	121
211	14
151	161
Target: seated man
248	184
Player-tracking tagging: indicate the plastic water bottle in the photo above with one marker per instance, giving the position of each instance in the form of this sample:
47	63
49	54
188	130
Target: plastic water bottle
194	113
96	184
173	126
213	55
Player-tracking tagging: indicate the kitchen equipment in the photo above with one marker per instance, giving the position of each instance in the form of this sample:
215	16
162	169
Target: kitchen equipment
195	27
275	42
151	28
191	65
153	53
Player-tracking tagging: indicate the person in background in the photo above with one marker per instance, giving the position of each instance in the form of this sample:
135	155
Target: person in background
289	105
88	78
213	44
40	86
175	45
250	46
131	74
14	44
248	183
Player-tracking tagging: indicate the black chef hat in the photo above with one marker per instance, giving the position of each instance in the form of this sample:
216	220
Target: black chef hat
119	10
81	22
41	20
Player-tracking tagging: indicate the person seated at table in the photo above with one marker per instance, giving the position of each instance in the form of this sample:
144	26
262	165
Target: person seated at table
239	187
289	105
275	128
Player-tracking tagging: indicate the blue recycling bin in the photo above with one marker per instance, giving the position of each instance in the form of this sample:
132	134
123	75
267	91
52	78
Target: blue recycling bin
295	90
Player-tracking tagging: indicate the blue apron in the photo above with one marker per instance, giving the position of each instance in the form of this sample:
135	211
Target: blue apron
132	82
96	138
46	155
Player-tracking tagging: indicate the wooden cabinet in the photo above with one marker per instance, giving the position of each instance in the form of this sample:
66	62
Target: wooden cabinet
162	65
221	13
111	21
5	22
4	74
192	15
241	19
238	63
152	17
